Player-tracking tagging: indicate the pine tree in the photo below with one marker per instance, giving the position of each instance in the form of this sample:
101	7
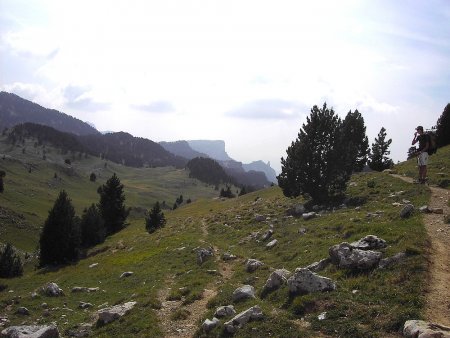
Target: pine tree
378	157
443	127
92	226
2	174
314	164
155	219
10	262
111	205
60	237
356	141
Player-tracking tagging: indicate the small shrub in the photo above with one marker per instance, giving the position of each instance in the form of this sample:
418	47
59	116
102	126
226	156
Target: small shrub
67	161
93	177
444	183
413	251
10	262
303	305
180	314
155	219
371	184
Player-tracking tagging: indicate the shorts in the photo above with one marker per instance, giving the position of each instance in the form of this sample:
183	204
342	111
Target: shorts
422	159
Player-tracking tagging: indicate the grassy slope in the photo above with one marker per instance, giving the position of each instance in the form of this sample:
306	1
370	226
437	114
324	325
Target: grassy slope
383	301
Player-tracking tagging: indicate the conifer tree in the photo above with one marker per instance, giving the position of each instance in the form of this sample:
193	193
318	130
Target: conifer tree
355	141
92	226
111	205
155	219
10	262
443	127
314	164
60	237
378	157
2	174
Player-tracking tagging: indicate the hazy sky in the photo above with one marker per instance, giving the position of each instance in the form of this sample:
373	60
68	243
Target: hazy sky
246	71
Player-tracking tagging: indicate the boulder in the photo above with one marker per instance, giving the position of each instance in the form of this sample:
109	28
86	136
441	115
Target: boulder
305	281
209	325
370	242
276	280
424	209
126	274
271	244
254	313
244	292
421	329
346	257
203	254
389	261
267	235
319	266
225	311
32	331
52	290
309	215
110	314
302	231
84	305
407	211
252	265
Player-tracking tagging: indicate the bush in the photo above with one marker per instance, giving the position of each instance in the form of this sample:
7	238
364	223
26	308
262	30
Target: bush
93	177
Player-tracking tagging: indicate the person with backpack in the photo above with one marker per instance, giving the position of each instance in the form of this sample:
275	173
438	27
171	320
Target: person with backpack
421	153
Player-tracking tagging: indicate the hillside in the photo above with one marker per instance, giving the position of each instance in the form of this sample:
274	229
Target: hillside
182	148
16	110
270	173
175	294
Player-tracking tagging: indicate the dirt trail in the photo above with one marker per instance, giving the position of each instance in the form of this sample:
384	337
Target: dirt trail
437	307
195	311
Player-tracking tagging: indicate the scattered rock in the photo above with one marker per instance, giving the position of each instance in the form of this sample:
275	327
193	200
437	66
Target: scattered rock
421	329
377	213
108	315
254	313
126	274
228	256
271	244
302	231
79	289
267	235
260	218
34	295
44	305
370	242
209	325
32	331
23	311
252	265
244	292
322	316
389	171
52	290
424	209
319	266
407	211
304	281
276	280
225	311
389	261
203	254
93	265
84	305
346	257
309	215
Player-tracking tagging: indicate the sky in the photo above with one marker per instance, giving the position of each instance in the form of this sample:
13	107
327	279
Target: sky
244	71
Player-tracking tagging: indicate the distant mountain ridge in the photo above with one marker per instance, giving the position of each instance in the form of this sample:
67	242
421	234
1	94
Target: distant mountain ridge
16	110
264	167
213	148
183	149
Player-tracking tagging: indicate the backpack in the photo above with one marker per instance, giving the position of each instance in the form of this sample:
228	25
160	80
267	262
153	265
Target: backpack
432	142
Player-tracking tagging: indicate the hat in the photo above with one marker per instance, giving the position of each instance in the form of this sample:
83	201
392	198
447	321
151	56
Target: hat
419	128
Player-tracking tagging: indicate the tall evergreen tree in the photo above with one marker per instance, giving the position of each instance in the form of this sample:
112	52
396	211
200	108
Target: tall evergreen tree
314	163
60	237
378	158
443	127
10	262
2	174
356	141
92	226
155	219
111	205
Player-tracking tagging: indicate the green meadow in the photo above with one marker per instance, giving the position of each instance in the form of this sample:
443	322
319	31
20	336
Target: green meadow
366	304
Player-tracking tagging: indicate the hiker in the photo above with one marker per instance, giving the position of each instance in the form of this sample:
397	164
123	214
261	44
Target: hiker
421	153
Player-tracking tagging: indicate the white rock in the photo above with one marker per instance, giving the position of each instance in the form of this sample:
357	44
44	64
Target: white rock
254	313
32	331
108	315
243	292
209	325
421	329
304	281
271	244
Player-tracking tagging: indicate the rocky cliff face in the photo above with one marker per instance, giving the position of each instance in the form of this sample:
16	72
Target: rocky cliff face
264	167
213	148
